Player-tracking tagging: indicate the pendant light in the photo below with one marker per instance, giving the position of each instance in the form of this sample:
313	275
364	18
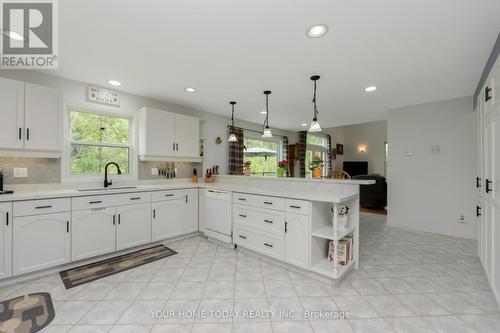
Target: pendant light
315	124
232	136
266	134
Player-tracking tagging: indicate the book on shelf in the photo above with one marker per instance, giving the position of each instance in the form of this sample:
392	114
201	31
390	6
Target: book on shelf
344	251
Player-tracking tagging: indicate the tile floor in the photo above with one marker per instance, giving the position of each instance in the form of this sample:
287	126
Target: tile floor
407	282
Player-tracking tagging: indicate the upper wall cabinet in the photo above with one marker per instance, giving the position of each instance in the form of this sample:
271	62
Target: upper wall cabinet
31	119
168	136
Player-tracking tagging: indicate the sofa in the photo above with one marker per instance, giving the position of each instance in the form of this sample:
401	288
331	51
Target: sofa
373	196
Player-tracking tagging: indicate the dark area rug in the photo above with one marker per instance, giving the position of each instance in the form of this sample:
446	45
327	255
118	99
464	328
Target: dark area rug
26	314
98	270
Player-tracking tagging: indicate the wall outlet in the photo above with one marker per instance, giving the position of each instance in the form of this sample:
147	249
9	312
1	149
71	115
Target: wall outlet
154	172
20	172
461	219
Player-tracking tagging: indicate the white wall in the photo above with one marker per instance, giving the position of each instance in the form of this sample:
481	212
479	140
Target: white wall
212	125
427	191
371	135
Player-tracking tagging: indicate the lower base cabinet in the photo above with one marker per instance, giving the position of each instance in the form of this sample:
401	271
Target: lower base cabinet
167	218
190	218
134	225
5	240
297	240
40	242
93	233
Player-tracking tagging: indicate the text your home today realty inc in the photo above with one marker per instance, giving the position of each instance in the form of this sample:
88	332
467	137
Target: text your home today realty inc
249	314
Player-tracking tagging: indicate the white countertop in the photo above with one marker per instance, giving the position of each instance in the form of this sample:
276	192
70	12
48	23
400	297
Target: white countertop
337	194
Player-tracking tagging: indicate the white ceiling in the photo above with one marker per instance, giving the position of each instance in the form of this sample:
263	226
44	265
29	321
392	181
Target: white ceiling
413	51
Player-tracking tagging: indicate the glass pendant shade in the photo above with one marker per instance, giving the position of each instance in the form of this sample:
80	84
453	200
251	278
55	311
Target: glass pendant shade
267	134
232	138
315	127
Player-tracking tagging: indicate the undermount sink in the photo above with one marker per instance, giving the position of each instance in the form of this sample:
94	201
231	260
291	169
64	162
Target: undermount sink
106	188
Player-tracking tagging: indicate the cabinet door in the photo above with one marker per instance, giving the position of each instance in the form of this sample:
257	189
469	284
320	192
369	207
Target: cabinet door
190	223
156	132
495	200
12	111
40	241
187	131
167	219
5	240
42	118
134	225
297	240
92	233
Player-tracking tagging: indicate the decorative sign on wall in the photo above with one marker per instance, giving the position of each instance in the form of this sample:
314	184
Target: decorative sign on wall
103	96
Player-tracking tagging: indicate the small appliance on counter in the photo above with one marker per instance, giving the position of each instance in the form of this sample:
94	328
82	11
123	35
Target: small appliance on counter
2	191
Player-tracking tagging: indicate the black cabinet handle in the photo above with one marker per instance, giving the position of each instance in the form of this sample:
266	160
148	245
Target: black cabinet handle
7	218
94	202
268	203
488	183
478	211
286	226
177	146
268	245
169	195
186	198
154	213
114	219
241	215
43	207
478	182
173	146
67	227
293	206
242	199
119	218
135	198
269	221
487	95
241	236
20	133
27	134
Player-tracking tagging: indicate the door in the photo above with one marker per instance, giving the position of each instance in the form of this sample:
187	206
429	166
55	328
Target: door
5	240
190	216
12	107
156	133
495	198
167	219
42	121
187	130
93	232
134	225
40	241
297	240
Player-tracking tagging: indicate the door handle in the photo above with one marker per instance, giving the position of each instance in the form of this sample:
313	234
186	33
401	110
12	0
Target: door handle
487	95
119	218
286	226
173	146
20	133
7	218
27	134
114	219
67	227
478	182
268	245
177	146
269	221
478	211
488	183
186	198
154	213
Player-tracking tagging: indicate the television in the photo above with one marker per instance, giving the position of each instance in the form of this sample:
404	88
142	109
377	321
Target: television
354	168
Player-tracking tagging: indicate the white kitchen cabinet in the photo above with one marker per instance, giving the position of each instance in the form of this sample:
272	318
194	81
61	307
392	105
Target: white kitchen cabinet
190	216
5	240
12	106
40	241
167	219
42	118
93	232
134	225
166	136
297	240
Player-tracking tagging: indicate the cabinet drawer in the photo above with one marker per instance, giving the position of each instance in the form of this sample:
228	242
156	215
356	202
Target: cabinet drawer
36	207
167	195
262	201
134	198
268	244
297	206
95	201
265	219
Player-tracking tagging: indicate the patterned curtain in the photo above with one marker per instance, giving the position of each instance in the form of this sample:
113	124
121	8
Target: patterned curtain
302	152
329	154
285	153
235	165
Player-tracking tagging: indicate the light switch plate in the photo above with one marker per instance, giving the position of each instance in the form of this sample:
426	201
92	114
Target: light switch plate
154	172
20	172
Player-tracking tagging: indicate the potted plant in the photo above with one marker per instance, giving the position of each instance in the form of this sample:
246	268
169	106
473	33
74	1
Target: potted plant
282	168
246	168
317	167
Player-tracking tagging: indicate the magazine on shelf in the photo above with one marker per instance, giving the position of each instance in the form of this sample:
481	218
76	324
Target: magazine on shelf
344	251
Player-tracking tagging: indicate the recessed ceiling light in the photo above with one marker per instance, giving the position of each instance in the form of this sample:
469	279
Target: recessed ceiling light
317	31
370	89
263	112
115	83
304	124
191	90
14	35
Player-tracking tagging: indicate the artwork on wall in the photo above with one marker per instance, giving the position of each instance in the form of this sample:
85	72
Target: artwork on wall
340	149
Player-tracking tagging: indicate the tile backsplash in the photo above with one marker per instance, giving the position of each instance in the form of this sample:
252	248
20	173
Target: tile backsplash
40	170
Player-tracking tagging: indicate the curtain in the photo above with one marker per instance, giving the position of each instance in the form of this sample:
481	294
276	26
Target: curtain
235	164
285	153
302	152
329	156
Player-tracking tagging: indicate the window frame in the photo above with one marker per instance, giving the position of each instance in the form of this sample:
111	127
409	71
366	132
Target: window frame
316	148
66	175
275	139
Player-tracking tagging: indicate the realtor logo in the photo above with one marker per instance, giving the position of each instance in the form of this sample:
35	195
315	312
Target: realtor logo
29	34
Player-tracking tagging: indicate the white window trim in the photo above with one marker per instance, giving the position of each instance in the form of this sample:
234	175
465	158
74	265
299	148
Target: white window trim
67	177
